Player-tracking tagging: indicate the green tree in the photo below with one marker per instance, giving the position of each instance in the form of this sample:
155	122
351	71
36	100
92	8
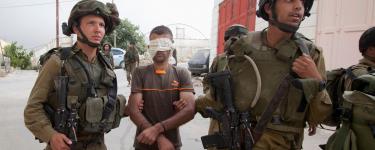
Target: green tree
125	33
18	56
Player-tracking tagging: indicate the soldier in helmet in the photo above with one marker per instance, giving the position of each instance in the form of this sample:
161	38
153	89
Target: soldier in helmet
359	89
107	53
91	99
278	78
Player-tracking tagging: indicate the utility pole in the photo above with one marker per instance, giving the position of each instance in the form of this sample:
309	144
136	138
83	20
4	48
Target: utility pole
2	54
114	33
57	24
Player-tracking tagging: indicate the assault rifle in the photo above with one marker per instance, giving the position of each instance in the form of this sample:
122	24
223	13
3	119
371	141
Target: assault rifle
65	119
235	133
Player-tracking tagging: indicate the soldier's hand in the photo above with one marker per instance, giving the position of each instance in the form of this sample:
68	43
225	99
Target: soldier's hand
149	135
180	104
60	142
305	67
165	144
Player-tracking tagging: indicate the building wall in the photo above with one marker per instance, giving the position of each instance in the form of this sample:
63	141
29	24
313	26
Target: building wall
2	45
187	47
340	24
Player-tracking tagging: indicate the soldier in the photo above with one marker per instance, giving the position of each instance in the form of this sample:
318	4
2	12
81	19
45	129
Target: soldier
278	77
232	34
167	92
90	105
367	63
357	130
131	59
107	53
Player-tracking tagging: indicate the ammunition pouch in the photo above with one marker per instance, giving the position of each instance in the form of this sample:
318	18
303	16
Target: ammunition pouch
91	114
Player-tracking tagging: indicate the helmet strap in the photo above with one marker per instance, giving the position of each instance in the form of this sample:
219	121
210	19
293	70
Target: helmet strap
85	40
282	26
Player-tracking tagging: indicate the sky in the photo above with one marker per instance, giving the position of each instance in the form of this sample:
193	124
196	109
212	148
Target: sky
31	23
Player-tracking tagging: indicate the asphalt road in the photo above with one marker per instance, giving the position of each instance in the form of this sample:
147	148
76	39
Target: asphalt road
15	89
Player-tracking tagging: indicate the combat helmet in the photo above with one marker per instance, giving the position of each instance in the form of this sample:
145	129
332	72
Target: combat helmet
284	27
235	30
107	43
108	12
367	40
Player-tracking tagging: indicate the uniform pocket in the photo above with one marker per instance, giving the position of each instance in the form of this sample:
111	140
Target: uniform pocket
94	109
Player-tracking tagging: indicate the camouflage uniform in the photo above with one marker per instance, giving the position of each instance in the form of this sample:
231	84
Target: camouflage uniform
109	54
131	59
273	64
91	86
44	92
356	128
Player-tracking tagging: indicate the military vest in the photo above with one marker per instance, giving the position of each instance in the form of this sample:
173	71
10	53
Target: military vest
274	64
91	99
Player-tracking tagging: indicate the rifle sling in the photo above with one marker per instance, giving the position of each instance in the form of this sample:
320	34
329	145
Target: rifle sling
266	116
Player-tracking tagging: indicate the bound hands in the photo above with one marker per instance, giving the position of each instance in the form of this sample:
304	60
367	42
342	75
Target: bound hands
59	141
149	135
305	67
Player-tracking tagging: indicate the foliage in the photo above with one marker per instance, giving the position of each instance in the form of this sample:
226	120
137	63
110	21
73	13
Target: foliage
125	33
19	57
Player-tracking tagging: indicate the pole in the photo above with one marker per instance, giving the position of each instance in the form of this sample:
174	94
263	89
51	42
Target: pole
57	24
114	33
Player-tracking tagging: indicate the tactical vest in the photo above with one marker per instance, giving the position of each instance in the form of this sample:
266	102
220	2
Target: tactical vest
274	65
91	99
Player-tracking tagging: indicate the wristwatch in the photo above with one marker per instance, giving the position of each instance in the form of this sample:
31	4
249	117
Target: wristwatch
322	85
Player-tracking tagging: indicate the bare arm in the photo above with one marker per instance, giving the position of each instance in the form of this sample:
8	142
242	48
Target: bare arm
150	134
135	114
183	116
